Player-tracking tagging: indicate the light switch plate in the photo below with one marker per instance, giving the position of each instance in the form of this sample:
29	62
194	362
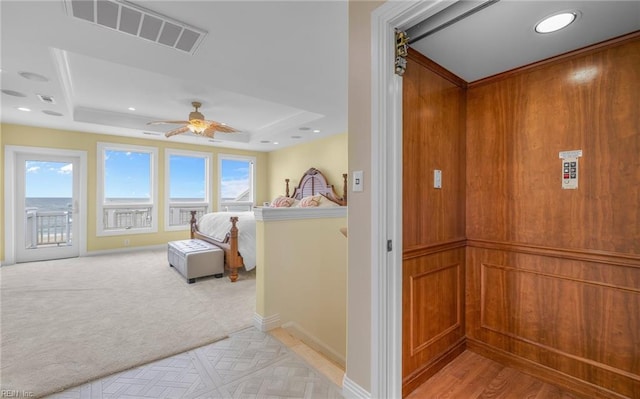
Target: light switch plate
358	181
437	178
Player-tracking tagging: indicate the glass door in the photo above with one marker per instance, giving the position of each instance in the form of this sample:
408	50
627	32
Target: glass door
47	217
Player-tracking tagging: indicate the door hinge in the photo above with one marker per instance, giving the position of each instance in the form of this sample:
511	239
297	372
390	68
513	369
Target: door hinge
402	46
389	246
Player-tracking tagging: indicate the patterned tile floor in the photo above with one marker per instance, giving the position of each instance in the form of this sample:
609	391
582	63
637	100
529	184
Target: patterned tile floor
249	364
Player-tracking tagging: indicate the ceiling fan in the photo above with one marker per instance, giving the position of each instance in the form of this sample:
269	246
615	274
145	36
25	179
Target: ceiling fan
196	125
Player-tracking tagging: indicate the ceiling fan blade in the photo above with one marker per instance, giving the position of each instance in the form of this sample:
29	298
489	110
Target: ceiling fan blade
179	130
196	123
218	127
209	133
167	122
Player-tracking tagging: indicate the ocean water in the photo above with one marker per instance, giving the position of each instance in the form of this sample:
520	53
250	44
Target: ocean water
49	204
63	204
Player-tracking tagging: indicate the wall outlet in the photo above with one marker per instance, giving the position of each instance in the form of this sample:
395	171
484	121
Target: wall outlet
126	242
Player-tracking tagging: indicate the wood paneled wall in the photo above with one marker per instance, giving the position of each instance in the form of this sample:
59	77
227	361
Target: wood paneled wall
433	220
553	275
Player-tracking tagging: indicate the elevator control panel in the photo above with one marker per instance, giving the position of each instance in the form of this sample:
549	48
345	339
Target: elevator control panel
570	169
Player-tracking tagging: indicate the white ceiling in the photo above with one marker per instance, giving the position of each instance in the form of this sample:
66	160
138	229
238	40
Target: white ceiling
267	68
501	36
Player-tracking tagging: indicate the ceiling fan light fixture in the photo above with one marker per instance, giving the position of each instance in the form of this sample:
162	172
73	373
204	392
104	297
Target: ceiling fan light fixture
196	129
196	124
556	22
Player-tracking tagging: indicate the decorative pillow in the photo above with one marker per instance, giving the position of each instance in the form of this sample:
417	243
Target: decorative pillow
282	202
327	203
310	201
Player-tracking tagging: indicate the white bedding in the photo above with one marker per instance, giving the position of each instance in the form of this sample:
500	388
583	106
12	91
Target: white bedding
217	225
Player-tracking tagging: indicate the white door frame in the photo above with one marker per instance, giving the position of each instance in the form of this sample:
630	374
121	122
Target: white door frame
10	182
386	201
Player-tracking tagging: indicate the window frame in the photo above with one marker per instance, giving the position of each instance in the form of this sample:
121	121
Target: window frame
101	204
252	182
208	159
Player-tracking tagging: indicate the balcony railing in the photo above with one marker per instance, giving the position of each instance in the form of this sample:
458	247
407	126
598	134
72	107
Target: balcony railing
47	228
125	217
235	206
54	227
180	214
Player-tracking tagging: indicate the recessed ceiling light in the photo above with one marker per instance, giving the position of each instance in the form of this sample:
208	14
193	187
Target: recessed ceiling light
13	93
33	76
131	109
52	113
24	109
556	22
275	142
316	131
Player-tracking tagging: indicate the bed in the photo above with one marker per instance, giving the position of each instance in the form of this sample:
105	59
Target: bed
235	232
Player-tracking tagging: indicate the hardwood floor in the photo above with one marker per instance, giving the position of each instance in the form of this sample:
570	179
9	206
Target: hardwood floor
472	376
332	371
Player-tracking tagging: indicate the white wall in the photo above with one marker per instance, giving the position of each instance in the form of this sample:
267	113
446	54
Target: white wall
359	267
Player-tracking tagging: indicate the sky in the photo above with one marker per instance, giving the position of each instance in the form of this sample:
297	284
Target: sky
127	176
186	176
48	179
235	178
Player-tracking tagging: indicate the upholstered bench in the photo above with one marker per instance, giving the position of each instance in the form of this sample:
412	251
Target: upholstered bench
195	258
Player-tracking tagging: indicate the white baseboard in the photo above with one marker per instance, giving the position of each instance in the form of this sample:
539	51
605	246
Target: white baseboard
266	323
106	252
352	390
125	249
313	342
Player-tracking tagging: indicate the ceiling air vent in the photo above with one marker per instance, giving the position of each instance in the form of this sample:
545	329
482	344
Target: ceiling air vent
129	18
46	99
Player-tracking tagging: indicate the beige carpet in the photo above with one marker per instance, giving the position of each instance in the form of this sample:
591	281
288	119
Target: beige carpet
66	322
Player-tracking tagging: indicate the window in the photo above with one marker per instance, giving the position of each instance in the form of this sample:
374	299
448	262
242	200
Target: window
127	189
236	183
187	187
